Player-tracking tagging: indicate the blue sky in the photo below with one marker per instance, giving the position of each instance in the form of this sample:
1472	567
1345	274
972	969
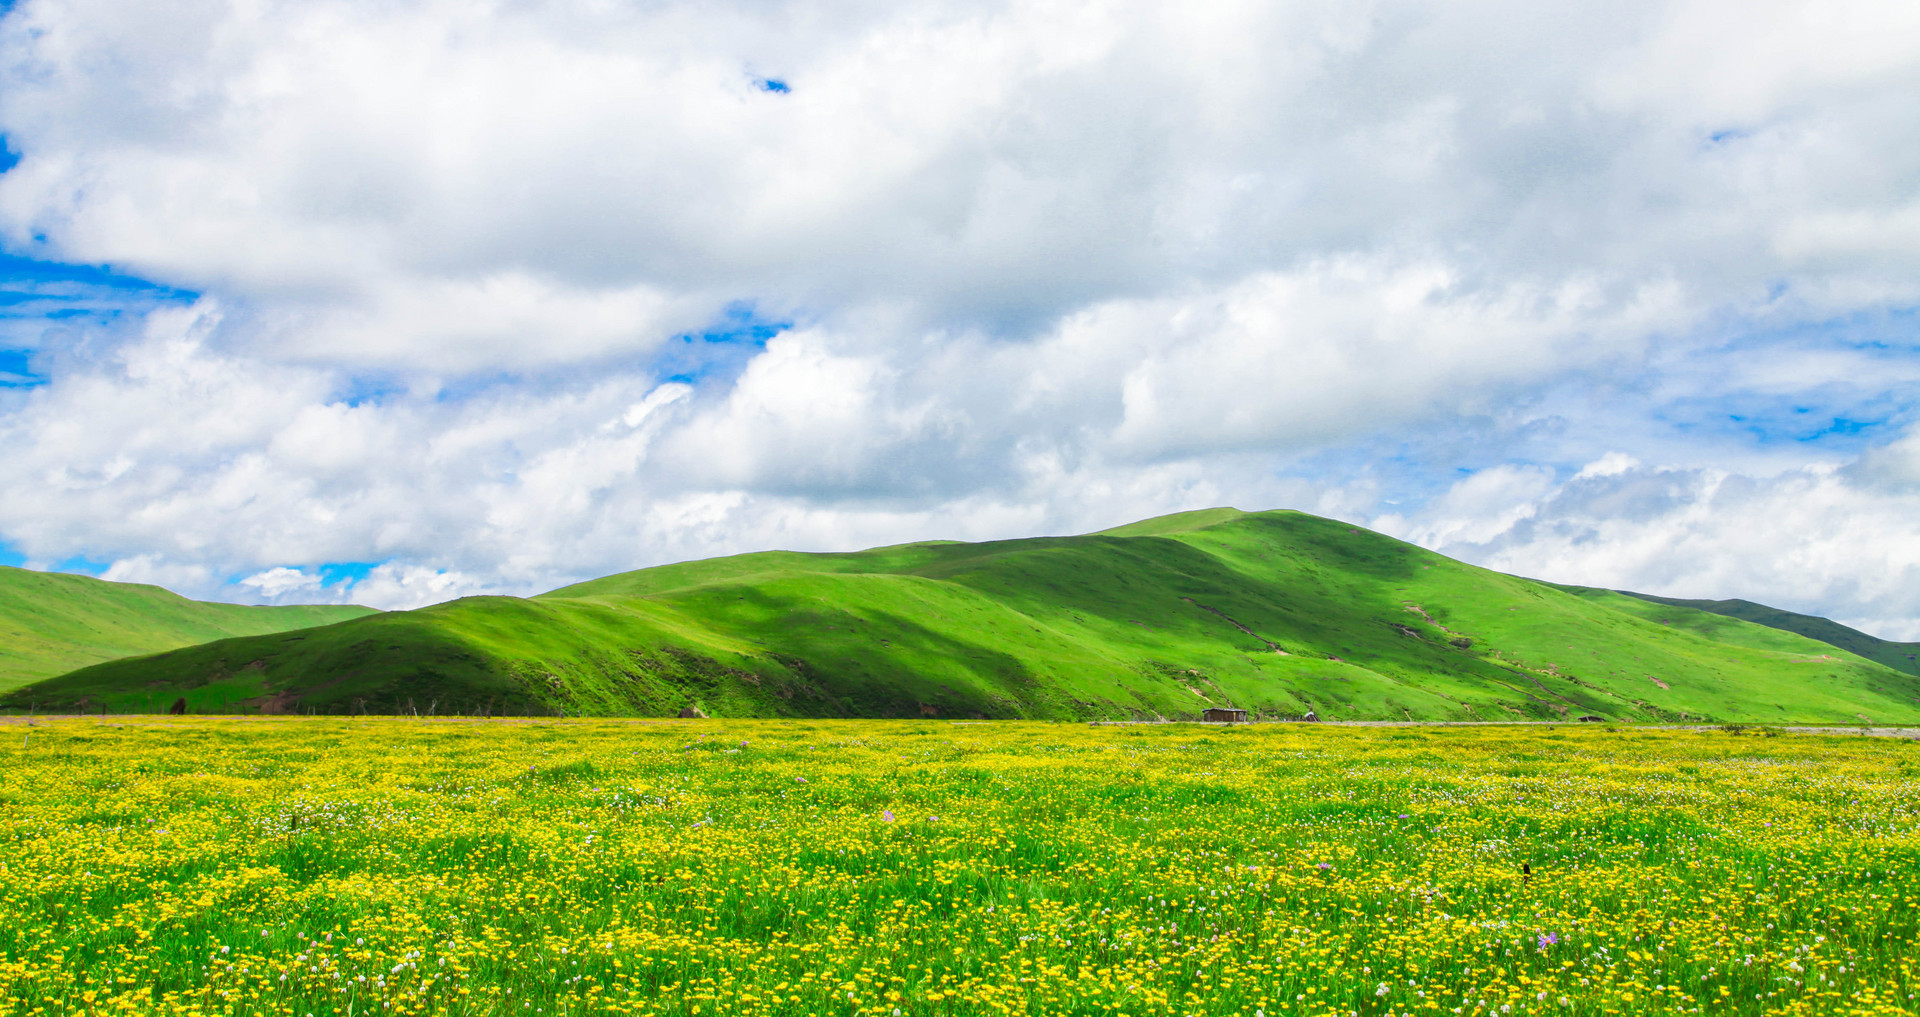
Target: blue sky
48	306
607	288
719	352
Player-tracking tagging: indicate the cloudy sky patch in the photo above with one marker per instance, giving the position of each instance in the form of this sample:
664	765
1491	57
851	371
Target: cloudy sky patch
401	302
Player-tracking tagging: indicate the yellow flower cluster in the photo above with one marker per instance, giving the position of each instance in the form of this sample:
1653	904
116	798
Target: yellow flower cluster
828	869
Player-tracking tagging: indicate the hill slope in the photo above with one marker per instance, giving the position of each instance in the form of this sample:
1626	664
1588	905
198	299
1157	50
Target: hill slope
52	622
1899	656
1275	612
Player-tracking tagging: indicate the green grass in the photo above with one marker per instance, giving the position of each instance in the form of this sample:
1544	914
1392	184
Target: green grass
188	867
1899	656
52	622
1277	612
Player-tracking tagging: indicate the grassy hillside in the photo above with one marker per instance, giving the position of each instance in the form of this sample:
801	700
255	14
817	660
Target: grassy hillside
1899	656
52	622
1277	612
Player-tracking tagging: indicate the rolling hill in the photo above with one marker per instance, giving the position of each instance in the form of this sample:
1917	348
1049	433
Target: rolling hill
1899	656
1279	613
52	622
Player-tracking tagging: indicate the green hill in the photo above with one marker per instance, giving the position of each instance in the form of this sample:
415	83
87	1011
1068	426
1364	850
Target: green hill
1899	656
1278	613
52	622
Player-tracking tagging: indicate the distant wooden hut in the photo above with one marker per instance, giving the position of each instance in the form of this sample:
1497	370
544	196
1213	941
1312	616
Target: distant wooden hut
1592	719
1224	715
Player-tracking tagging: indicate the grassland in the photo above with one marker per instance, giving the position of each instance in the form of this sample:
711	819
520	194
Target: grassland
1899	656
51	622
177	866
1280	613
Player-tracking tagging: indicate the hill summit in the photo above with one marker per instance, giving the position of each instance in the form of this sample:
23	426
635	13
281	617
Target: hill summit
1278	613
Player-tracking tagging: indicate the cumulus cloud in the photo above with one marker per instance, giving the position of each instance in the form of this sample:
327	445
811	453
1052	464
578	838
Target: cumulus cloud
156	570
1017	267
464	183
399	586
278	583
229	463
1808	539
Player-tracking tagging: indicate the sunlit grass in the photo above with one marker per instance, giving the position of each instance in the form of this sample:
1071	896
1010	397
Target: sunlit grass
834	868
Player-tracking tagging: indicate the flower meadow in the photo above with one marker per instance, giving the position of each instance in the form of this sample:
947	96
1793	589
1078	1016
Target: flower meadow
572	867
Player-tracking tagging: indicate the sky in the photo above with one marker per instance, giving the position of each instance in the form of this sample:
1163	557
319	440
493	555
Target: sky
349	300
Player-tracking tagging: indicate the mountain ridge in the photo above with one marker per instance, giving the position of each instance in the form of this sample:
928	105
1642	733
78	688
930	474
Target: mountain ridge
1896	655
1280	613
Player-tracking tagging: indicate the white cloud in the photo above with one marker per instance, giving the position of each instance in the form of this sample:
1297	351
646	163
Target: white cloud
232	464
1475	510
464	184
282	583
156	571
399	587
1351	347
1050	267
1807	539
467	324
1892	468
